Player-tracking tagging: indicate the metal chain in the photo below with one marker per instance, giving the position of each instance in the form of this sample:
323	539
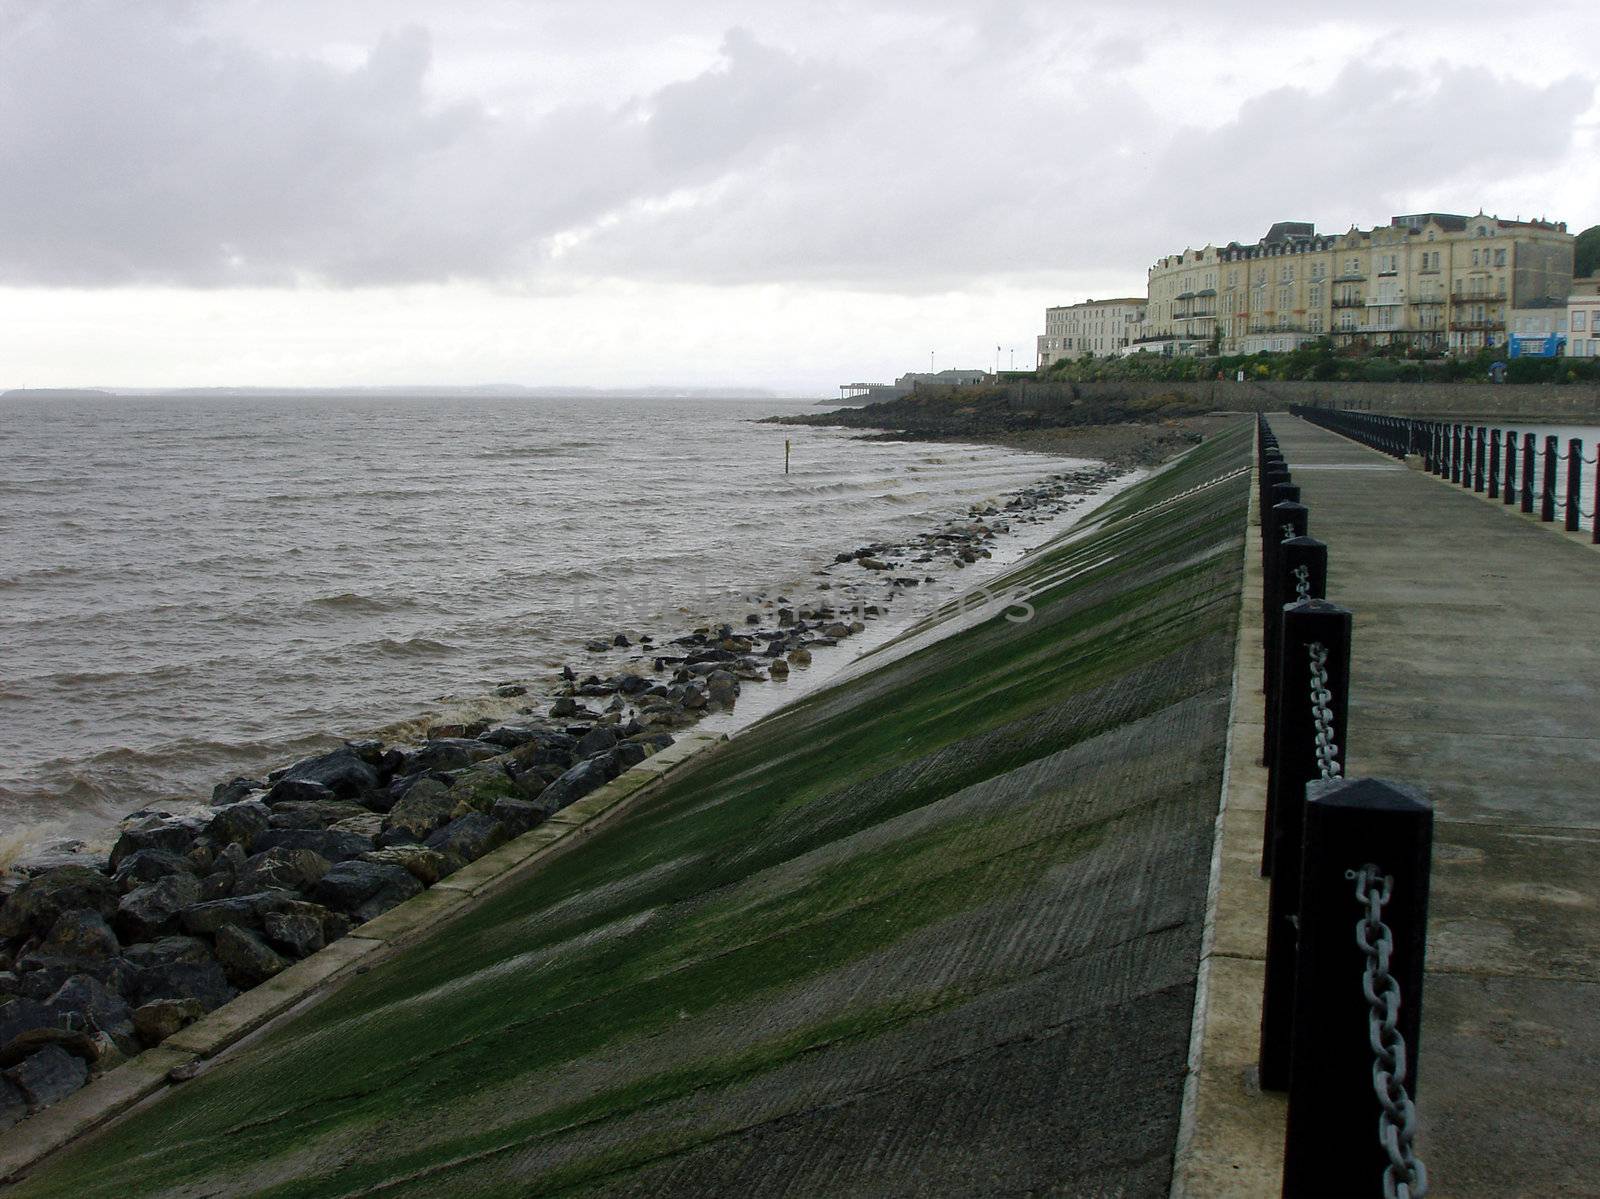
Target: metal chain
1405	1177
1322	714
1288	534
1302	583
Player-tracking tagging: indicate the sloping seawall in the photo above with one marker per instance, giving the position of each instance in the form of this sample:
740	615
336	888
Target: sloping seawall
931	931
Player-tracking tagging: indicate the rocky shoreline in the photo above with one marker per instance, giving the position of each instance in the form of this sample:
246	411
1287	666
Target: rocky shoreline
103	955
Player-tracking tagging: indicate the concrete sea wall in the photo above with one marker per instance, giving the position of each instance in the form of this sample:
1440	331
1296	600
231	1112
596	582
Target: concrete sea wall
934	930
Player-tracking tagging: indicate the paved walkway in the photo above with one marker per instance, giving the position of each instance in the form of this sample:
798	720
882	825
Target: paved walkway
1476	676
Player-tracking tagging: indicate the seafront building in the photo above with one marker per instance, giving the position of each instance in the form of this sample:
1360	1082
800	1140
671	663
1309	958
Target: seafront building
1583	318
1434	281
1098	327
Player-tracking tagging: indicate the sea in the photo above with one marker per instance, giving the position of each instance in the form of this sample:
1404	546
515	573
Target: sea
194	588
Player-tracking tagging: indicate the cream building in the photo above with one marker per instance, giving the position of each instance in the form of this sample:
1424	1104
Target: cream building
1583	318
1432	280
1098	327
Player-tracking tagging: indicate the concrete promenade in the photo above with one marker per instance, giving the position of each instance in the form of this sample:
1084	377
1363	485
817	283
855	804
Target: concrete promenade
1474	676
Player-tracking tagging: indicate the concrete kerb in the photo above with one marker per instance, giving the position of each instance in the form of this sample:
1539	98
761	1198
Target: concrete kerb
1230	1134
145	1078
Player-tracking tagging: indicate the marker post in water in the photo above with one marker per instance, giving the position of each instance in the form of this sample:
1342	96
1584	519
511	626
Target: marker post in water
785	455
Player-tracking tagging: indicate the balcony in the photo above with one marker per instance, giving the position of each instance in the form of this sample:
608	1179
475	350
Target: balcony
1384	301
1426	300
1350	277
1477	298
1476	326
1349	302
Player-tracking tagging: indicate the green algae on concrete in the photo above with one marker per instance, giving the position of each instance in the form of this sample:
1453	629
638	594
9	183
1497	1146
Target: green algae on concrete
930	931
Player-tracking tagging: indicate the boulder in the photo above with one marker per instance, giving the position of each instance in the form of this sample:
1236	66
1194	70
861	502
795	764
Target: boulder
150	910
48	1076
204	982
298	791
368	824
18	1018
425	807
564	707
238	824
595	741
281	870
314	813
469	837
779	669
80	935
161	1018
147	865
426	865
509	736
343	772
519	815
167	951
82	996
447	753
722	687
246	959
234	790
800	656
244	911
333	845
154	832
365	889
36	905
13	1104
297	932
577	782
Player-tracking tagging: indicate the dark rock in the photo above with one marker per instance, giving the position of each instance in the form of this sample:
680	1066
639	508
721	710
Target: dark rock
246	959
80	935
427	866
39	902
83	996
451	753
343	772
509	736
630	753
519	815
147	865
204	982
167	951
632	684
281	869
161	1018
332	844
564	707
577	782
510	691
299	791
245	911
297	932
13	1104
425	807
365	889
595	741
48	1076
154	832
469	837
230	861
314	813
233	791
22	1016
238	824
722	687
148	911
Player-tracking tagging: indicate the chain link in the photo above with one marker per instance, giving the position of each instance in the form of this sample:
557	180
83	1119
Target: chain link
1322	714
1302	583
1405	1177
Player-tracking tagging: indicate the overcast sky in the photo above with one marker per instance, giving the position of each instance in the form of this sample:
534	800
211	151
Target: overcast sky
788	195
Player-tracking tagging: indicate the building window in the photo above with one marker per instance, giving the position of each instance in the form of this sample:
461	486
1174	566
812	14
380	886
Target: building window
1578	319
1499	258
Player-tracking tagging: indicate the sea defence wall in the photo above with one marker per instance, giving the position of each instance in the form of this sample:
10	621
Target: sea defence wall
1574	402
933	930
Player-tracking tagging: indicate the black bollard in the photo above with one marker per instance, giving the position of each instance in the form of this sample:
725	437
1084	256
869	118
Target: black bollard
1302	566
1574	483
1294	762
1510	489
1455	453
1477	459
1494	464
1527	472
1547	490
1330	1147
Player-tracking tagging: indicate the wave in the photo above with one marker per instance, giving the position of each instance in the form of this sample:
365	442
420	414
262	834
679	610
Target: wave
349	601
413	647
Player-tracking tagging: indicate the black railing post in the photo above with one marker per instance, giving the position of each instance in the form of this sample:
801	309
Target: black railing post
1574	483
1527	472
1331	1147
1302	574
1510	489
1477	459
1294	763
1284	520
1494	464
1441	450
1547	489
1455	453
